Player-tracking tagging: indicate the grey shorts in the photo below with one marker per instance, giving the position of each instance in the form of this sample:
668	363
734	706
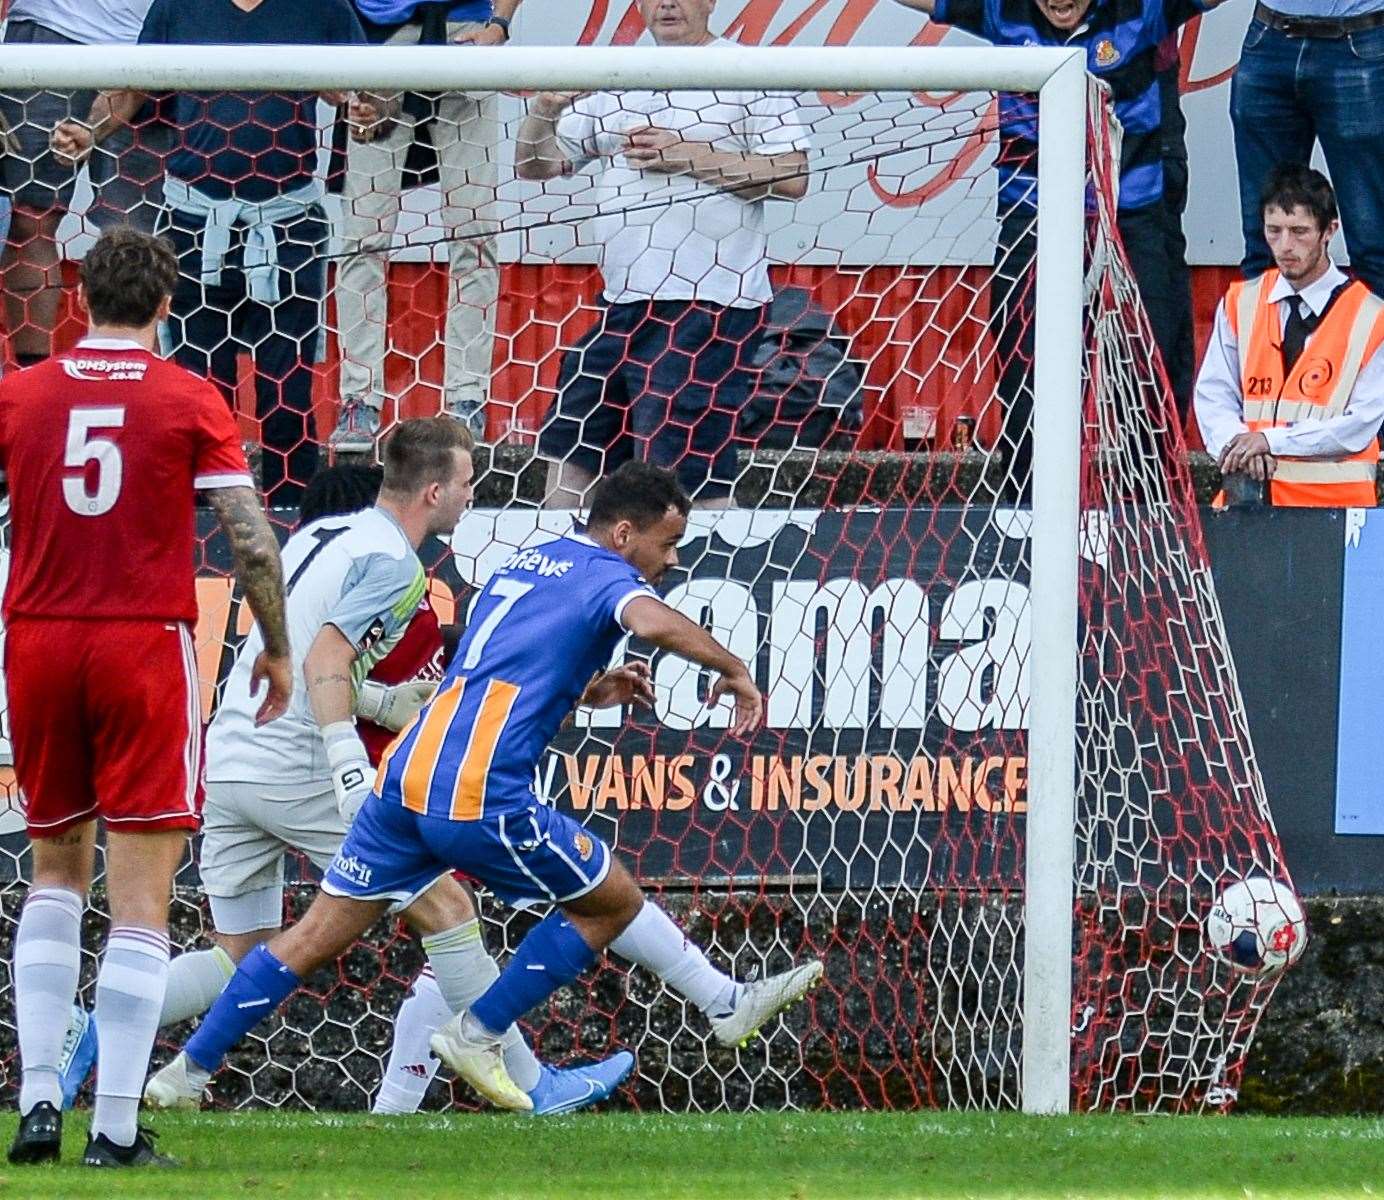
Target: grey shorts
126	169
247	828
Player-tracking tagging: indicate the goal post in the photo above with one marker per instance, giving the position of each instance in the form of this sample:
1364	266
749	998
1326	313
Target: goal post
974	795
1051	846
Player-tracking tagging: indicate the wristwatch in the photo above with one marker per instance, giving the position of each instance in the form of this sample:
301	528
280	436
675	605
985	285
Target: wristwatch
503	23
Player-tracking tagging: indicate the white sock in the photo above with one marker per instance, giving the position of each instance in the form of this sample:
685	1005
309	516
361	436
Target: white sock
653	941
194	982
129	998
47	959
412	1064
464	970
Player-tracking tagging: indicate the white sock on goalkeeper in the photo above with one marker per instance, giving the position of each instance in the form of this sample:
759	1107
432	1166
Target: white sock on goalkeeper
194	982
462	970
654	941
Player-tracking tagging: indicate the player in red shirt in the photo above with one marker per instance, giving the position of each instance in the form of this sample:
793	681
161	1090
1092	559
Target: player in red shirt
103	450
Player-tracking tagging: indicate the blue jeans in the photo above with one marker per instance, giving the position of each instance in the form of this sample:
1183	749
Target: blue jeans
1288	93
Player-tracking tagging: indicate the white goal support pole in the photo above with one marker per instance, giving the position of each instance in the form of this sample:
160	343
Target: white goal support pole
1050	841
1059	79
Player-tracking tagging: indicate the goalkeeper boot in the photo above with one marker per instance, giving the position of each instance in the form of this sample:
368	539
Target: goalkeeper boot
177	1085
102	1152
756	1002
566	1090
479	1060
39	1138
357	427
78	1054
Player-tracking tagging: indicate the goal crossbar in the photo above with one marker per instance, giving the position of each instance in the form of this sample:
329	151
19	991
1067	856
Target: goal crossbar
523	68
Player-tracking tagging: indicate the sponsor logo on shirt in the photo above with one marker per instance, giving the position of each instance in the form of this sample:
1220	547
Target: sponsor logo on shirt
104	368
536	560
372	635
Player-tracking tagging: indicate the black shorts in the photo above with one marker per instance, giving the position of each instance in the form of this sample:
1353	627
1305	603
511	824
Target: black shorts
661	381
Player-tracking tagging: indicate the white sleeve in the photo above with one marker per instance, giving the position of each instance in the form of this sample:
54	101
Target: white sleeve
1349	433
1219	405
773	124
576	133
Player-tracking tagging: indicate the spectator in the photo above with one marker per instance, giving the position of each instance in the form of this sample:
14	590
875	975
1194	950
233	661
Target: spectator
1180	357
1313	71
245	216
462	129
1291	392
666	368
1121	41
126	177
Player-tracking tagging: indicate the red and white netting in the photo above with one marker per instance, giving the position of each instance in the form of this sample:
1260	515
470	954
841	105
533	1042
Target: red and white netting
876	573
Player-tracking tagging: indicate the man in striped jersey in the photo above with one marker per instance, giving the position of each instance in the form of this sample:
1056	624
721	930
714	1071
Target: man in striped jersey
354	584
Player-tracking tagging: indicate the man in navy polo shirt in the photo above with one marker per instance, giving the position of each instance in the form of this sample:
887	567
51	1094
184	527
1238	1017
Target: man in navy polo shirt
1120	38
245	216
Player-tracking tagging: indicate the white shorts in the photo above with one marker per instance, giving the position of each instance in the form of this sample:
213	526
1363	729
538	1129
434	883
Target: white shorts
247	828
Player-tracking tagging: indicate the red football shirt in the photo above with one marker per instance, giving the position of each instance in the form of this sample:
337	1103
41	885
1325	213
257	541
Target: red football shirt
104	448
417	656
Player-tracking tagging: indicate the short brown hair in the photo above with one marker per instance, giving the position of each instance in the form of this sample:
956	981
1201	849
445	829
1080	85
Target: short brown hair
127	275
422	451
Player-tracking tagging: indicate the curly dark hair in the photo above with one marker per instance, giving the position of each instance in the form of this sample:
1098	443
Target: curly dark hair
639	493
126	275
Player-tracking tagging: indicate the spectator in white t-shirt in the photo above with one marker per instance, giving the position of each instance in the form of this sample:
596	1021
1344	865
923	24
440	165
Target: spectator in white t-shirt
679	196
126	174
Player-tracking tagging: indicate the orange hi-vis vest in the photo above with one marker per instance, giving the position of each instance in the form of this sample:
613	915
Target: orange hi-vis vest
1317	388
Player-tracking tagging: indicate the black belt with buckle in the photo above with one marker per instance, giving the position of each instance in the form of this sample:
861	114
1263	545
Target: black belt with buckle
1318	27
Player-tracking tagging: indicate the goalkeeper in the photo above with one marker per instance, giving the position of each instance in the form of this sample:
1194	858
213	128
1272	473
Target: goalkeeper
354	584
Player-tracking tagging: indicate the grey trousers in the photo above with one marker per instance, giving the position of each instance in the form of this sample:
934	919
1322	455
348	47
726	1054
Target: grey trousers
465	135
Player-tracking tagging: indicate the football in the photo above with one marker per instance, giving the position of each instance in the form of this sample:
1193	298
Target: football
1257	926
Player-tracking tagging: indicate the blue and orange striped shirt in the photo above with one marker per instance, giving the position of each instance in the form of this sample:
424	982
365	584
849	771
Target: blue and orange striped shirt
547	621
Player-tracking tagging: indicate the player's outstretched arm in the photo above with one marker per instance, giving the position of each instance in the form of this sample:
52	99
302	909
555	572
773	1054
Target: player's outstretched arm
260	572
650	618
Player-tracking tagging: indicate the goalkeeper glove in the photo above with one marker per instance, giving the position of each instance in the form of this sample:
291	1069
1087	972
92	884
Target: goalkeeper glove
393	707
352	774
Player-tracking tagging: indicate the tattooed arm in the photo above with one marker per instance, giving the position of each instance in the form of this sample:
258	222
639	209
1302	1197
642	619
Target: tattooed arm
255	552
327	673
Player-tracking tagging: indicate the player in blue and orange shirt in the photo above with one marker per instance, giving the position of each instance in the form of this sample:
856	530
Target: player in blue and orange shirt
455	792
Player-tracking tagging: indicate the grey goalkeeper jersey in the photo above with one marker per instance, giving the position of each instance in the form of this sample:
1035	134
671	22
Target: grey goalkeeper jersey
358	573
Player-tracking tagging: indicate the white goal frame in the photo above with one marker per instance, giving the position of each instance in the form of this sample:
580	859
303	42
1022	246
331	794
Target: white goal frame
1058	77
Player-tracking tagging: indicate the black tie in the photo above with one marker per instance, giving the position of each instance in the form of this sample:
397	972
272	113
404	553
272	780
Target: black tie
1295	332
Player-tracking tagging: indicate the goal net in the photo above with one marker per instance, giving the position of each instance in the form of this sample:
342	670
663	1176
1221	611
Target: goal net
1005	768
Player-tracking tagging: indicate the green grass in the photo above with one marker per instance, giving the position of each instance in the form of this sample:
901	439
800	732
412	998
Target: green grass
795	1157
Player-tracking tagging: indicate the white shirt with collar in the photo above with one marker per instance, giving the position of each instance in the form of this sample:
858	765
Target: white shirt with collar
671	236
1220	403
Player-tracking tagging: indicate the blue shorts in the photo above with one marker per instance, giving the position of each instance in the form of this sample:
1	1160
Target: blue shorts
536	854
